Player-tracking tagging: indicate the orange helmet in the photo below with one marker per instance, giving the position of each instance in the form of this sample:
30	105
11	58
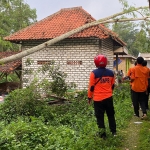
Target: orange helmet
100	61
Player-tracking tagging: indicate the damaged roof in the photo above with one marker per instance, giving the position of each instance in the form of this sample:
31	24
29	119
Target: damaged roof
11	66
62	22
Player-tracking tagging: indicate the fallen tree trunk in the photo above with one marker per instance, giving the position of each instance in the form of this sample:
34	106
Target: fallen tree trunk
68	34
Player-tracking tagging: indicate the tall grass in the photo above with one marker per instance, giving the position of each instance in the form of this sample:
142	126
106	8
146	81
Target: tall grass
71	126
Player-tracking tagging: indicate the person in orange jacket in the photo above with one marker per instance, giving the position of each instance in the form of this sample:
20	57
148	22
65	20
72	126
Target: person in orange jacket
139	87
144	64
101	85
129	76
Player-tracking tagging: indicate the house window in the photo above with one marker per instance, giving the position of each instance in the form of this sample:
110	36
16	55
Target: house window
74	62
43	62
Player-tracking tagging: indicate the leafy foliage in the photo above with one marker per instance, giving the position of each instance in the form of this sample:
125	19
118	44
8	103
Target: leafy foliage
142	42
127	32
53	81
70	126
144	136
14	15
136	35
24	102
122	96
11	77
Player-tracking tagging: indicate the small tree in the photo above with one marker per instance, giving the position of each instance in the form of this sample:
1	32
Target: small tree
57	79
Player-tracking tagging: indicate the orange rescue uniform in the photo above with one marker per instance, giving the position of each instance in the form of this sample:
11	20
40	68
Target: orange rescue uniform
104	88
139	78
129	74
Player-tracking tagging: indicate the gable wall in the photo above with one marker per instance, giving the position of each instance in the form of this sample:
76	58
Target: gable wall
70	50
107	49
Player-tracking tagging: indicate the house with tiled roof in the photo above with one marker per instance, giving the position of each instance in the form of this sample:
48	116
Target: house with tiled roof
74	54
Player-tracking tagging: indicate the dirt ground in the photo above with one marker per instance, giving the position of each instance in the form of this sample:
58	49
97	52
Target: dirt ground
132	133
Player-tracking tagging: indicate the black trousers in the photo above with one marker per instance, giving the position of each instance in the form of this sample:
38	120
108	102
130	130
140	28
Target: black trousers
139	98
100	108
131	96
146	102
147	97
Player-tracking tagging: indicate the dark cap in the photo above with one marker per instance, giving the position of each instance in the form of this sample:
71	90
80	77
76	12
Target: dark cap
140	60
144	63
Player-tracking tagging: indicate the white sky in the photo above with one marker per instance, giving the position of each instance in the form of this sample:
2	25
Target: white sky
97	8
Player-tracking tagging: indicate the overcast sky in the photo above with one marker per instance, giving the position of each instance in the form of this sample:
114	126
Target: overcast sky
97	8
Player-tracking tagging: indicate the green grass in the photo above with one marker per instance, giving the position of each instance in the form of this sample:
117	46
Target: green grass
144	135
52	99
137	135
71	126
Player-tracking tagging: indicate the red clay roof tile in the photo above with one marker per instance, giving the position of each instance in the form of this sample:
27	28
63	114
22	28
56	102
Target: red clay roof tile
61	22
11	66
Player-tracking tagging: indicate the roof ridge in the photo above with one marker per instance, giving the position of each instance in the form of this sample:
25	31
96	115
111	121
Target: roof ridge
38	22
70	8
62	21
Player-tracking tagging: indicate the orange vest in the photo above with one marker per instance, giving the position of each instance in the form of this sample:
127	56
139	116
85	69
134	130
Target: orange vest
103	89
140	78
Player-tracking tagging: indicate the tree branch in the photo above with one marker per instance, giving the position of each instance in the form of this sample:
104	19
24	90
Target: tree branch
68	34
122	13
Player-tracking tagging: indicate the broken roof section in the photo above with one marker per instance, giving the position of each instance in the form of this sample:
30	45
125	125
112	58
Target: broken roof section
62	22
11	66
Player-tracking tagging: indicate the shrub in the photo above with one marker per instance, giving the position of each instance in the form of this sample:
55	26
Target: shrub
53	81
24	102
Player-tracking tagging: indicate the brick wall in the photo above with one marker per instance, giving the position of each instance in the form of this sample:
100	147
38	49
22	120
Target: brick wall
69	53
107	49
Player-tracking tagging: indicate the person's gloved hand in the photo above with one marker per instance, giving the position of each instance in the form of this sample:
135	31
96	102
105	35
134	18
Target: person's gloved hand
89	100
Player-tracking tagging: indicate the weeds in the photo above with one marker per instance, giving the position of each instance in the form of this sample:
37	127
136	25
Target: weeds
32	124
144	135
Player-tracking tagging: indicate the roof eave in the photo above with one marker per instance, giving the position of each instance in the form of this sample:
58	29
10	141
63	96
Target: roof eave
121	51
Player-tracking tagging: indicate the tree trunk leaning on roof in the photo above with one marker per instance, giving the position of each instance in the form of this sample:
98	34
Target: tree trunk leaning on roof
109	19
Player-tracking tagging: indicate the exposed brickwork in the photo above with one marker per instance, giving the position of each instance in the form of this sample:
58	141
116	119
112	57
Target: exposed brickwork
80	47
70	49
107	49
